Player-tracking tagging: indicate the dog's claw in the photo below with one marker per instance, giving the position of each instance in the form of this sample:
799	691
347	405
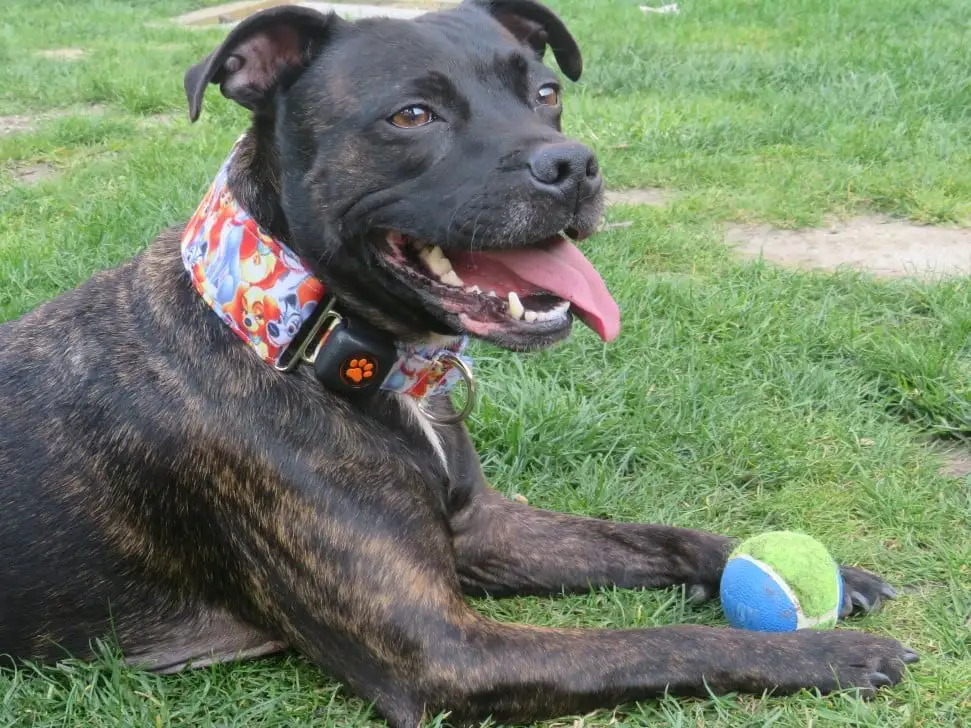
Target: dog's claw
863	591
861	601
910	656
878	679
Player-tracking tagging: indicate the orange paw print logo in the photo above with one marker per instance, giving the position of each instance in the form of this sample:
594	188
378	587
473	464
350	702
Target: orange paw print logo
359	370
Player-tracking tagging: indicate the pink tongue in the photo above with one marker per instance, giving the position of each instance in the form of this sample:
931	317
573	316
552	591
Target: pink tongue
559	268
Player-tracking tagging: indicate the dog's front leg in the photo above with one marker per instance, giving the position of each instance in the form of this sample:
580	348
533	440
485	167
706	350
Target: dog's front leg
505	548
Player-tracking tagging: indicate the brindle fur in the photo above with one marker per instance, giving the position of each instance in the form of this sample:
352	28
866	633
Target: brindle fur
163	487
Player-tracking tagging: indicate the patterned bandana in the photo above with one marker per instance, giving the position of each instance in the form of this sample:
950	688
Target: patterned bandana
265	294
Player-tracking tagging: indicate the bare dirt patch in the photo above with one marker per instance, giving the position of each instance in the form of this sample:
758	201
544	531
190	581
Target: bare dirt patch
650	196
62	54
30	174
23	124
881	246
16	124
957	462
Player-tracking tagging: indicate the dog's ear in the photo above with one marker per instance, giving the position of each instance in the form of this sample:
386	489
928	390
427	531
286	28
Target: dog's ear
263	53
536	26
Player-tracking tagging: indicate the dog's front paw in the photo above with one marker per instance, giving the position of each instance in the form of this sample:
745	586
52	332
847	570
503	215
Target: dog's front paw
863	592
843	659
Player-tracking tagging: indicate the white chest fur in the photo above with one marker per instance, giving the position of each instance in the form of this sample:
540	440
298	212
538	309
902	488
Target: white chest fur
410	405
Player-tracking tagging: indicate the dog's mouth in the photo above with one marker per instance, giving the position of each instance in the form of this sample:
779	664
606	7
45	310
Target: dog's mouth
520	293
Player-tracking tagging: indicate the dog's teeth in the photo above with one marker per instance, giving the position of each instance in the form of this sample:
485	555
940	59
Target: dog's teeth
557	311
450	278
530	316
439	266
473	289
492	294
437	262
516	308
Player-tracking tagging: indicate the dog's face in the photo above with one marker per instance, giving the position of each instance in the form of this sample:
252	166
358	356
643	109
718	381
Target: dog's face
422	169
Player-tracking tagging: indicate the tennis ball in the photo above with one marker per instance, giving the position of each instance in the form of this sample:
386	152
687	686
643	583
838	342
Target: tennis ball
779	582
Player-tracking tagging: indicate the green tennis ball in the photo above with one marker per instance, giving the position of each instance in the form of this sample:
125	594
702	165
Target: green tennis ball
779	582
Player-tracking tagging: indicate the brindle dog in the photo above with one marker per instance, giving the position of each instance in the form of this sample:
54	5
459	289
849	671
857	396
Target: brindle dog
163	486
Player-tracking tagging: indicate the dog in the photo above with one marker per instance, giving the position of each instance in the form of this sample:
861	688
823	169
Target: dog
168	485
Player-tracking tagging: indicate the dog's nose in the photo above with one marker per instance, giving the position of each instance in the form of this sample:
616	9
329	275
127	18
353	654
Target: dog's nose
568	167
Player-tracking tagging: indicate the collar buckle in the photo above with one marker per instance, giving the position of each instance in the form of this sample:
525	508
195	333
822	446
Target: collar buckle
357	360
324	325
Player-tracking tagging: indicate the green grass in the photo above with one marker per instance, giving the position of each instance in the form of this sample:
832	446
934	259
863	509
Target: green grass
739	398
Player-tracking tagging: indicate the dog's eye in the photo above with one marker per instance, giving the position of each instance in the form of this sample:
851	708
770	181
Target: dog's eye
412	117
548	95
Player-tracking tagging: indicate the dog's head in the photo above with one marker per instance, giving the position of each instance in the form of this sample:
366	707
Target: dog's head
419	167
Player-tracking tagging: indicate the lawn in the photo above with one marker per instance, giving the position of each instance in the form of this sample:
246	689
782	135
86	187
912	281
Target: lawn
739	397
